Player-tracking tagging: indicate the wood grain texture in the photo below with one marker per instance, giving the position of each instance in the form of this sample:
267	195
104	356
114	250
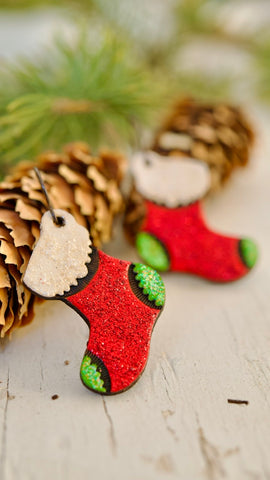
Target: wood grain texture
211	343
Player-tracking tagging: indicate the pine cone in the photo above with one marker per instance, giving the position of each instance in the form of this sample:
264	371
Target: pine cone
84	185
219	135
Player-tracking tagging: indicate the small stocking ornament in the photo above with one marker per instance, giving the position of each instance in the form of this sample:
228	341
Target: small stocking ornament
119	301
173	234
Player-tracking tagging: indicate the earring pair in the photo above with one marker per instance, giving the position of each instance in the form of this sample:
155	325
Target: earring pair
170	234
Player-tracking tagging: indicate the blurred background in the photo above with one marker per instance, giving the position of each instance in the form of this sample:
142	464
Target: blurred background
103	71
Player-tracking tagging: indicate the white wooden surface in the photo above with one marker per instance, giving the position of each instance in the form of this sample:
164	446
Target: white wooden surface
211	343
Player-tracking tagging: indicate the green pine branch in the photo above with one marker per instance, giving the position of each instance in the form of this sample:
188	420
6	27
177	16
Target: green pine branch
86	92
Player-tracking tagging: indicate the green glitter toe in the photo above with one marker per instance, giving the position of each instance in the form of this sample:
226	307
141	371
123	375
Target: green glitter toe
248	251
152	251
90	375
151	283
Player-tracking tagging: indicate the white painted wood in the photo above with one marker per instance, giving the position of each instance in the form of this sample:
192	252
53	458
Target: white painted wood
212	343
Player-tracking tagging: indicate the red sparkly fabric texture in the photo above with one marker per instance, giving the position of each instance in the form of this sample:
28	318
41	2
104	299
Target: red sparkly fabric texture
120	324
191	246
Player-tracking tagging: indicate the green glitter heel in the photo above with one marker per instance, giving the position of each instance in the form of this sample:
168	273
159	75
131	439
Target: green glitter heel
151	284
248	251
152	251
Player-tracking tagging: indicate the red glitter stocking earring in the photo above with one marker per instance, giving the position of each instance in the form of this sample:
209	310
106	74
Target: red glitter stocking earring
119	301
173	234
